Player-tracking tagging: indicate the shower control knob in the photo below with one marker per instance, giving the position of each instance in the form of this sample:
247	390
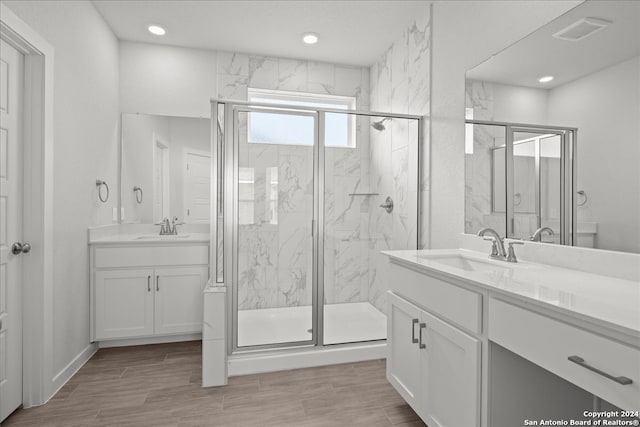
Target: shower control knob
20	248
387	205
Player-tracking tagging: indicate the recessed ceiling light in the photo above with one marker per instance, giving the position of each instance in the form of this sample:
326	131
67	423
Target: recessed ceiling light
310	38
545	79
157	30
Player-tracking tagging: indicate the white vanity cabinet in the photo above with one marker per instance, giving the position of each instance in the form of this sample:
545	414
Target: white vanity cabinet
473	341
147	291
123	304
178	299
434	365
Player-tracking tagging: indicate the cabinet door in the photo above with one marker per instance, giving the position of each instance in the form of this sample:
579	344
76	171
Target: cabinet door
403	357
450	375
179	299
123	303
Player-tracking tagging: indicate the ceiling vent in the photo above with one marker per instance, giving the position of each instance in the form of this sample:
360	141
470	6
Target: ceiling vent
581	29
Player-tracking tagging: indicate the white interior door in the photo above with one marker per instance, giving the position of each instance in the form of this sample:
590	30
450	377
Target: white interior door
197	182
11	73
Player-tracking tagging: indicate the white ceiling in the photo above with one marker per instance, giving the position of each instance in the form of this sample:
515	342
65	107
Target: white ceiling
540	54
351	32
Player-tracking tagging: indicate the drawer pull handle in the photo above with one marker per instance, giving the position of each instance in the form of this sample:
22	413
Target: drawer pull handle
414	340
158	283
148	283
422	326
580	361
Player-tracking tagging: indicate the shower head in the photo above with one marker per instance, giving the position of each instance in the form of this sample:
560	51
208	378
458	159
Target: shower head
379	124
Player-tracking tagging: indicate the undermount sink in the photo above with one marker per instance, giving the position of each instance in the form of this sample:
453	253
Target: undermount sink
160	237
465	263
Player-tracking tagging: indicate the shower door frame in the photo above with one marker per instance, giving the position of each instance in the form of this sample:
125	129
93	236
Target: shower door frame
227	150
568	175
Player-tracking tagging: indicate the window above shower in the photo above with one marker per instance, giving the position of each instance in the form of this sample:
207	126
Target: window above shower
296	126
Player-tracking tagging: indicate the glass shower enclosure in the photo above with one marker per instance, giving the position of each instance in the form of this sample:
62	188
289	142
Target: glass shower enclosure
307	199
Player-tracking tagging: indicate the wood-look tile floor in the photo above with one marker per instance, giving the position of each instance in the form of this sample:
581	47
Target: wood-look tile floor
160	385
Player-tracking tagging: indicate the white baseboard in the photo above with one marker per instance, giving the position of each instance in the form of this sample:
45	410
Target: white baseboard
150	340
65	374
283	360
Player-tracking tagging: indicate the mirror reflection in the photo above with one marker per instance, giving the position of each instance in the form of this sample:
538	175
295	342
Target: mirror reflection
580	71
165	169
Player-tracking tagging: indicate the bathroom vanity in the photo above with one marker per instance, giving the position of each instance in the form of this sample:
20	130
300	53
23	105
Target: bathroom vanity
147	286
467	337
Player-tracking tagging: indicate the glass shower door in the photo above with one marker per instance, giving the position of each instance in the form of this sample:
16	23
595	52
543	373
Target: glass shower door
369	205
537	184
274	184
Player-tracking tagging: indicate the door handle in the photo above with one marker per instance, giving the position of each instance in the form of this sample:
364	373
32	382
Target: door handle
20	248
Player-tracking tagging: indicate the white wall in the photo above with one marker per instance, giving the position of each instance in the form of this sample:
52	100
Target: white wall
85	148
607	115
517	104
465	34
166	80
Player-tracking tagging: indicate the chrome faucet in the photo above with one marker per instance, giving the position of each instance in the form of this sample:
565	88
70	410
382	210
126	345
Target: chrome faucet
497	247
537	235
173	229
165	227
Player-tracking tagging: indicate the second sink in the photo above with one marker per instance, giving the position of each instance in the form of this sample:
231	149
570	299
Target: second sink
465	263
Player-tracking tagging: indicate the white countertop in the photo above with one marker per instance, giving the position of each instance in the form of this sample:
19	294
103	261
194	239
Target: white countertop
141	239
608	301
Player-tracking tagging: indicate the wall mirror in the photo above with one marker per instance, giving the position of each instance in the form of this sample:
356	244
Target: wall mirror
553	132
165	169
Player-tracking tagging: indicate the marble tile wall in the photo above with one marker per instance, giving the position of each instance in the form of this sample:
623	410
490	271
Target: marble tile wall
275	260
400	83
275	264
346	233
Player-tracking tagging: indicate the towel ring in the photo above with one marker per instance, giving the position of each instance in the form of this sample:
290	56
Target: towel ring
584	194
99	184
517	199
139	194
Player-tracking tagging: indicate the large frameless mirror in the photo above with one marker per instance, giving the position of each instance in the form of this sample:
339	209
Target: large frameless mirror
556	100
165	169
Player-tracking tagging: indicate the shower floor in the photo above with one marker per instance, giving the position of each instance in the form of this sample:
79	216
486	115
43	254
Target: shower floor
343	323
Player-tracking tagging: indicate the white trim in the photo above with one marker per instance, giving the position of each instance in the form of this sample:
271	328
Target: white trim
283	360
150	340
65	374
38	208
